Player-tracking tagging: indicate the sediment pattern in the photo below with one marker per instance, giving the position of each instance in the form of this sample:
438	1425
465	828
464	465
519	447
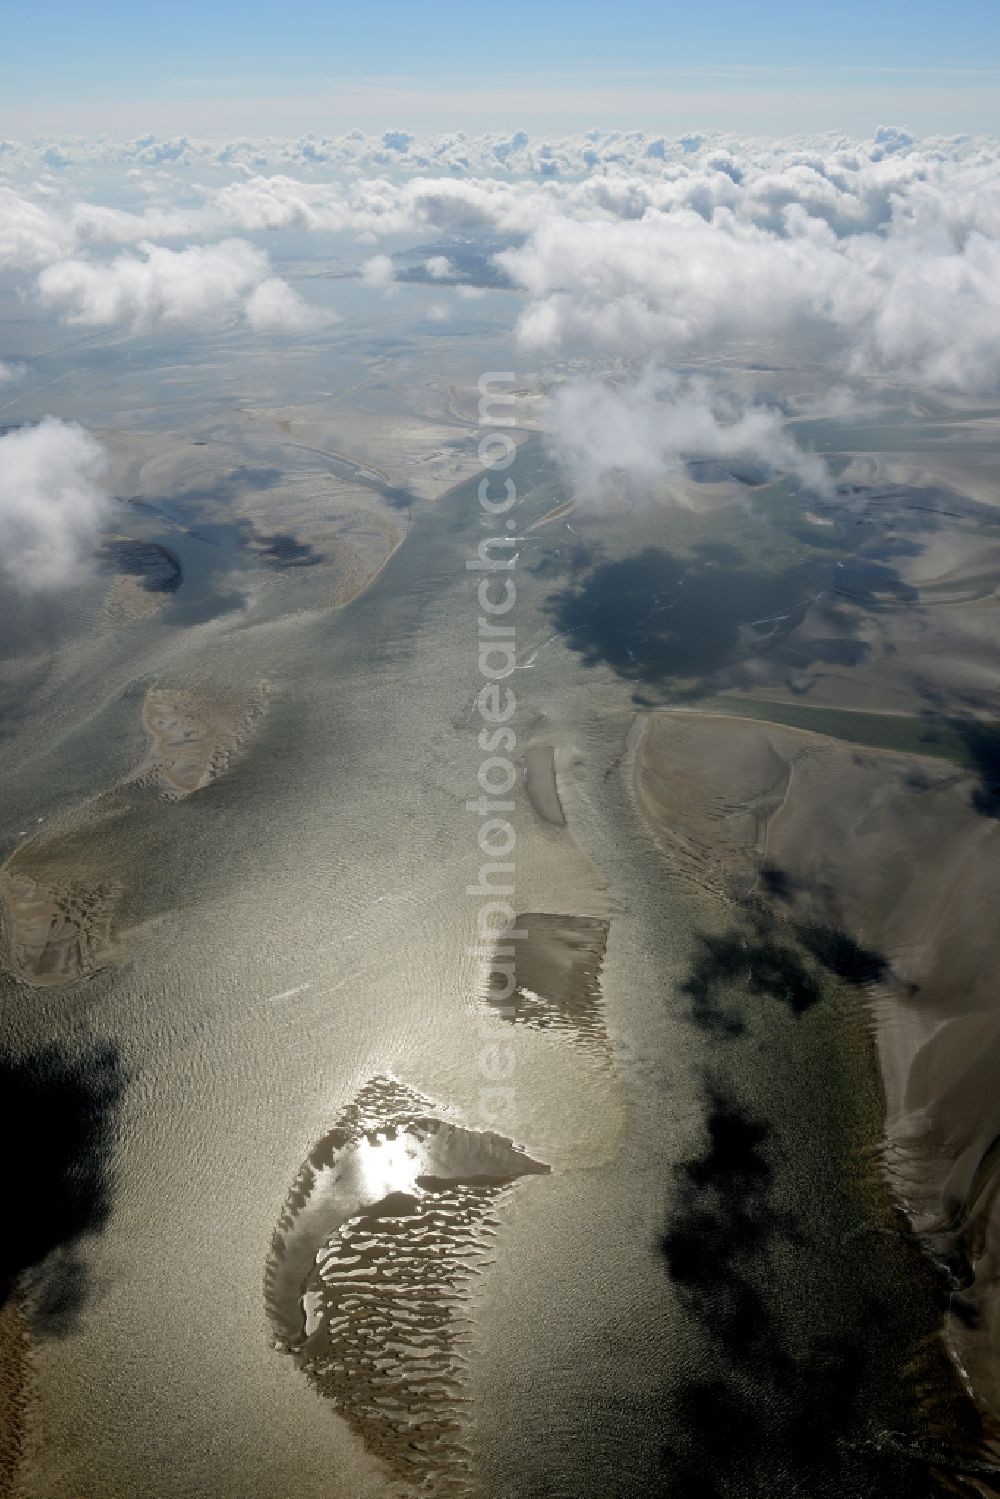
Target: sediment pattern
546	973
56	933
193	741
14	1385
368	1280
146	576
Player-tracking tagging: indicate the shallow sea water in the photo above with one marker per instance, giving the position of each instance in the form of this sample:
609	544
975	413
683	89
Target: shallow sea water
336	855
300	927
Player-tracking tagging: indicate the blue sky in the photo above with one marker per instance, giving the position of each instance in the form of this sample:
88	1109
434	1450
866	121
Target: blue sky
222	67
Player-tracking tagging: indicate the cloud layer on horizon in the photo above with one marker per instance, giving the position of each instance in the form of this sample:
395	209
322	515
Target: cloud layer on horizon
625	245
632	254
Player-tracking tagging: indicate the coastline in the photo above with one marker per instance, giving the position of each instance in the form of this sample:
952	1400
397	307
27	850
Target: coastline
750	848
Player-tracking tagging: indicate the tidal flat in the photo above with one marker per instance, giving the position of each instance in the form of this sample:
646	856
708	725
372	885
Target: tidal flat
726	1054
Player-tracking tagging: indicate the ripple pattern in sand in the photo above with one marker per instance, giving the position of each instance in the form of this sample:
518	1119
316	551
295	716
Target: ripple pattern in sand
194	739
55	933
546	974
368	1280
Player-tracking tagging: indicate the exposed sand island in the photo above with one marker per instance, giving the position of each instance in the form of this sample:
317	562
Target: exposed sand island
541	785
328	536
885	868
56	933
146	575
547	975
287	524
56	907
192	738
370	1268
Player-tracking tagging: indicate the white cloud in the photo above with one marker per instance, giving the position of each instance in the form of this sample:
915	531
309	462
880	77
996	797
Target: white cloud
196	286
439	266
274	307
379	272
634	244
30	233
936	321
639	433
918	304
10	374
53	503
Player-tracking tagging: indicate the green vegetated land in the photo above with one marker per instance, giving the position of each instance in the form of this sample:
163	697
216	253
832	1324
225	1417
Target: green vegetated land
956	739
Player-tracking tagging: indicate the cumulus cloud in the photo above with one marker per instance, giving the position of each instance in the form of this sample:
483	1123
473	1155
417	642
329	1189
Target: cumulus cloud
888	140
936	321
379	272
914	305
665	283
53	503
634	435
196	286
625	243
274	307
439	266
38	225
31	233
514	155
10	373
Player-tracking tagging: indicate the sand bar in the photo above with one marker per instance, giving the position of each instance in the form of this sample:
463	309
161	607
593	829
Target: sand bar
57	933
541	785
871	852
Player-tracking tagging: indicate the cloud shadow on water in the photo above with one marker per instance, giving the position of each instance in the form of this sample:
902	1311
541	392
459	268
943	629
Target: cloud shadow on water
982	746
773	1413
58	1111
157	568
805	1322
771	959
282	550
655	617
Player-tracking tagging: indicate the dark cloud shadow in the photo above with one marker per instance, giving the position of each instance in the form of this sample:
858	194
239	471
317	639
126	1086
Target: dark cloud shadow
968	741
398	496
655	617
282	550
772	958
159	569
840	955
229	485
752	958
981	742
58	1112
770	1413
816	1340
566	560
